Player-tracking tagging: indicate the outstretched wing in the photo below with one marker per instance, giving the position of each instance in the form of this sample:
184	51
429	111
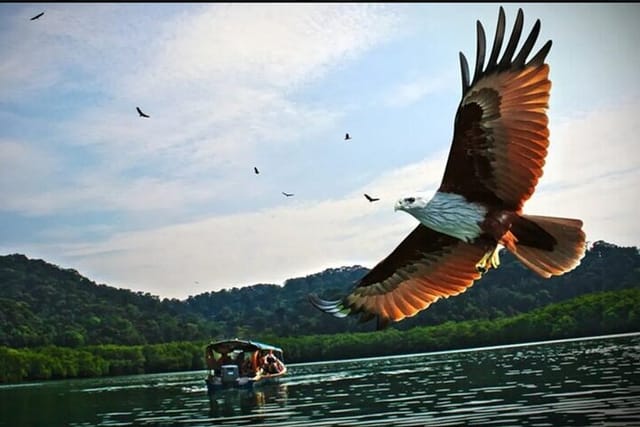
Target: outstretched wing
500	134
426	266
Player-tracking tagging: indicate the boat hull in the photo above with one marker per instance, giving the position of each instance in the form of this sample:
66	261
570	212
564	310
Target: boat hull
215	383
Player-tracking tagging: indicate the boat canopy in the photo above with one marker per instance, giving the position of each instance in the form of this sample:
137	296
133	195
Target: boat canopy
228	346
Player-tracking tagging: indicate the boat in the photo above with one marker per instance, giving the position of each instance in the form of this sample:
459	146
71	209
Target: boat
236	363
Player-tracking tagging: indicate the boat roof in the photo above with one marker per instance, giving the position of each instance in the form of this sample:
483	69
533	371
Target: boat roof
227	346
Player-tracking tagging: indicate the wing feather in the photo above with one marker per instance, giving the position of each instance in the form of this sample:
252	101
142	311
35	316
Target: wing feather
497	41
501	127
525	50
480	48
425	267
513	41
464	70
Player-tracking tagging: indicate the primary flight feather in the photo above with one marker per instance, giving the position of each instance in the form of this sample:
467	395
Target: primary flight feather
499	146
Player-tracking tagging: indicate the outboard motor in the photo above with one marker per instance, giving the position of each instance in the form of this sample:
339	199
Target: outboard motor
230	374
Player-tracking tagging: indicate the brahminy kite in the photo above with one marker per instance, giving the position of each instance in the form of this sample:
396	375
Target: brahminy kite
500	142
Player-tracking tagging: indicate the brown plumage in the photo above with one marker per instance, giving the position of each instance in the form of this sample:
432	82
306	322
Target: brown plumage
496	158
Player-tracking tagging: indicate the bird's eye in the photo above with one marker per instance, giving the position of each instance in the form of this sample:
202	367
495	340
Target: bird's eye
410	199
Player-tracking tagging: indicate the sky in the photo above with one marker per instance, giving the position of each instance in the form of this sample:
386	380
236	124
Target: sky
170	204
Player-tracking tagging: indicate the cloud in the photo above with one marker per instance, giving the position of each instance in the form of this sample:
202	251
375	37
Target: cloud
86	42
225	86
23	169
410	92
219	82
282	242
278	46
593	144
593	173
607	206
236	250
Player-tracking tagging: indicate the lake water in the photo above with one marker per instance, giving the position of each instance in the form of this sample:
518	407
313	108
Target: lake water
586	382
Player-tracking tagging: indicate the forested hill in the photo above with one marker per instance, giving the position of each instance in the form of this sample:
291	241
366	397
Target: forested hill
41	303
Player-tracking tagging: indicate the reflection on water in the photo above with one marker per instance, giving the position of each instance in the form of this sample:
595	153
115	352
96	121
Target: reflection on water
580	382
256	402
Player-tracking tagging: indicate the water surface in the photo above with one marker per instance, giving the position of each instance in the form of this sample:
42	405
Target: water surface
583	382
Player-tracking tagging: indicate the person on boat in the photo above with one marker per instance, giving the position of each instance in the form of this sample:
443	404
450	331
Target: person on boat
256	363
271	364
211	359
239	359
246	368
264	364
225	359
212	363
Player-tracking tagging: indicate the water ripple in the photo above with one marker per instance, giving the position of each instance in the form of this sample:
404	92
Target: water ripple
582	382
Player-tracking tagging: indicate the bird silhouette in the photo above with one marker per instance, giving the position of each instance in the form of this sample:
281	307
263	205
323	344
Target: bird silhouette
347	136
255	169
287	194
37	16
371	199
141	113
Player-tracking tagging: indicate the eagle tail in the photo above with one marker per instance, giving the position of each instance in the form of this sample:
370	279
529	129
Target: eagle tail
549	246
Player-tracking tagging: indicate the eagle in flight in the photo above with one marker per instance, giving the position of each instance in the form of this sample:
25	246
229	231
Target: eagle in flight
38	16
500	142
141	114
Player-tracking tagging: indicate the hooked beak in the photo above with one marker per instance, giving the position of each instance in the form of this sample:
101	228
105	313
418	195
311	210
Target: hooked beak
397	206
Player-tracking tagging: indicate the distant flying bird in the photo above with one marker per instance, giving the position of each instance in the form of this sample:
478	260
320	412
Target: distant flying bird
141	113
37	16
346	136
371	199
287	194
255	169
499	146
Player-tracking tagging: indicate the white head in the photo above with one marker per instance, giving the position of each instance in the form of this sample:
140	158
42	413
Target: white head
447	213
411	204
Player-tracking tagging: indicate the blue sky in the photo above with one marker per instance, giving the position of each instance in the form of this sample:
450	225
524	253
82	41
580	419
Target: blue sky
170	205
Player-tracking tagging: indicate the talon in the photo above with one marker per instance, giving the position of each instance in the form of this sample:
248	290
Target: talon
490	259
495	258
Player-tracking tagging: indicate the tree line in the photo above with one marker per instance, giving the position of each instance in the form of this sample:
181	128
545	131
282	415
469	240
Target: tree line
592	314
42	304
